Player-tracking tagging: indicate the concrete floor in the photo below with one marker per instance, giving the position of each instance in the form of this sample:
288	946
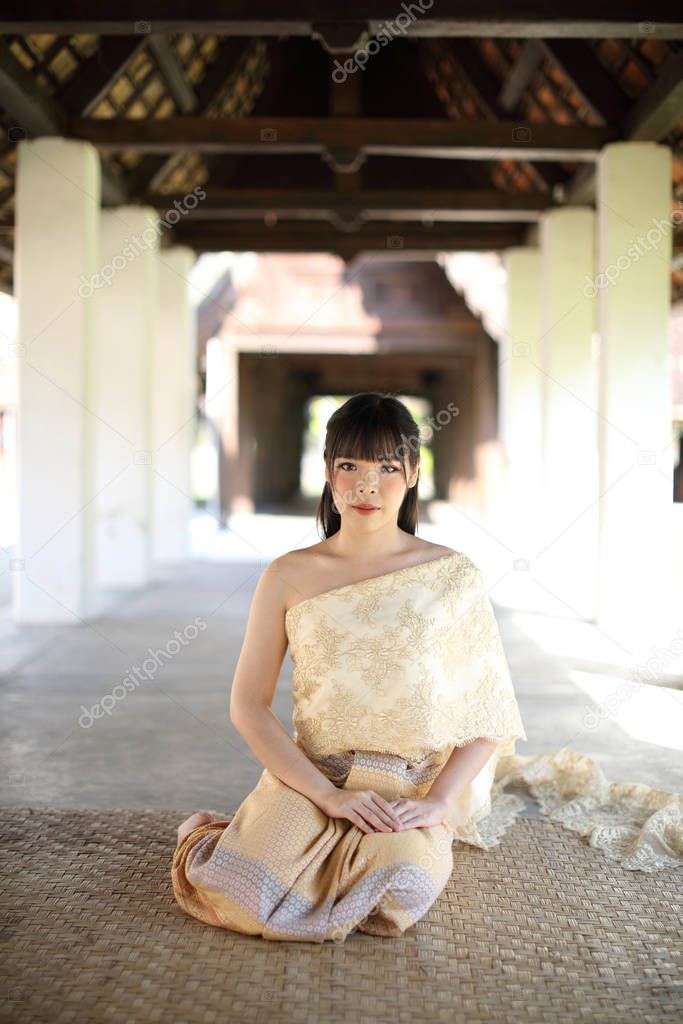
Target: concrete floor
170	744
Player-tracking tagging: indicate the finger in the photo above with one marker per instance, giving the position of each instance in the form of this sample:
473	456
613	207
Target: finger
358	820
371	809
372	816
412	821
391	821
389	812
387	819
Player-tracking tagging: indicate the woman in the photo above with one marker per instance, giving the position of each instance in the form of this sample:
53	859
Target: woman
402	705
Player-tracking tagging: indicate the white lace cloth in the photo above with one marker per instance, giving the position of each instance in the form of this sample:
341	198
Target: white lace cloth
634	824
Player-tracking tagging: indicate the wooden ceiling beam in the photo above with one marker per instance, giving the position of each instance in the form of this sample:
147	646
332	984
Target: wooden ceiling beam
437	139
248	236
455	206
623	19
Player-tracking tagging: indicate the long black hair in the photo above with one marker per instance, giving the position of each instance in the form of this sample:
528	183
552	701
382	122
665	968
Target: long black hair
364	427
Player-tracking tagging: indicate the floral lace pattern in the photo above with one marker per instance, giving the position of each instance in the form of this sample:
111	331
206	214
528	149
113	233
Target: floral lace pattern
408	662
634	824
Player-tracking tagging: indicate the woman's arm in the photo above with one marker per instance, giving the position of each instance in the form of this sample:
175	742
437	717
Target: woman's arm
459	770
253	688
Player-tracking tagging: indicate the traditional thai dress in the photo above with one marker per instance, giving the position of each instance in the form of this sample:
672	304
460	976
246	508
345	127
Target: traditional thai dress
390	674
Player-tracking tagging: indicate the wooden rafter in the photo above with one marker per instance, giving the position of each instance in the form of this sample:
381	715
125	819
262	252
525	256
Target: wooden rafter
520	75
172	73
661	106
24	101
440	139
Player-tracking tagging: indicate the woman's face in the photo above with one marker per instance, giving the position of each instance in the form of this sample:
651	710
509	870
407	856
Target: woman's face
356	483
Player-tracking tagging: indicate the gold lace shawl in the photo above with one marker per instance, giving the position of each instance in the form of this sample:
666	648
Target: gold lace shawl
410	663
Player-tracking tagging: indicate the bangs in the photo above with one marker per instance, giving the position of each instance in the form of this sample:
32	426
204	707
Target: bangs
369	437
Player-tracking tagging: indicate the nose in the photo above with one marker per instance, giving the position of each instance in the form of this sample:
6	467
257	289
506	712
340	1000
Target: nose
371	485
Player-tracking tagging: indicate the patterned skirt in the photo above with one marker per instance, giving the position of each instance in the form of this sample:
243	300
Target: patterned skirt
282	869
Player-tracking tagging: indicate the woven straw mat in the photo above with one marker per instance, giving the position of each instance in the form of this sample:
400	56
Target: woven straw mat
540	928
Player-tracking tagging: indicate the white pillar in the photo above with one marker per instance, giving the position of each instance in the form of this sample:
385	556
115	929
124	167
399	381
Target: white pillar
174	395
520	403
567	547
57	245
222	410
636	458
128	313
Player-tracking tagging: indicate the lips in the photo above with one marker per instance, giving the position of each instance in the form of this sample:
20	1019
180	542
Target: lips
366	506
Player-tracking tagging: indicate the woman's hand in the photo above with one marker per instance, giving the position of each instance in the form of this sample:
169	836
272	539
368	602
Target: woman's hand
365	808
419	813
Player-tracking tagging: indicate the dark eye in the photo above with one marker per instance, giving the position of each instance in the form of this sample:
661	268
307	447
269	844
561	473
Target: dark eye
343	465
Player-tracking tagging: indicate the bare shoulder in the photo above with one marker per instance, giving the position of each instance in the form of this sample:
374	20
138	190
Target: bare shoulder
275	573
300	572
272	587
298	560
436	550
426	551
287	579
